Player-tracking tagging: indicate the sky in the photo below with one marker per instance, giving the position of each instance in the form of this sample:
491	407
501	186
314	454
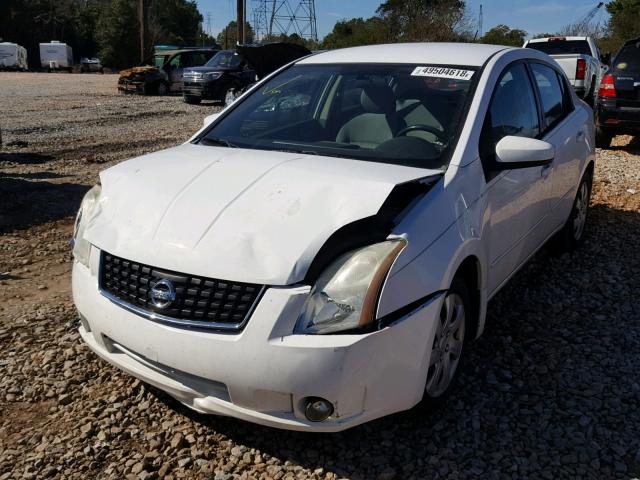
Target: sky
534	16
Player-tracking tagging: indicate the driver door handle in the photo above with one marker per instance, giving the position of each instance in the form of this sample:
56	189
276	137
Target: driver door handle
546	170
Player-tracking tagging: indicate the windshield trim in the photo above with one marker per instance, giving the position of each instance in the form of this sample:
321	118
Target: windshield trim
446	154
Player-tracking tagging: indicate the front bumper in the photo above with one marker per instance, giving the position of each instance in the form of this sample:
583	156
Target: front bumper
207	90
265	373
127	86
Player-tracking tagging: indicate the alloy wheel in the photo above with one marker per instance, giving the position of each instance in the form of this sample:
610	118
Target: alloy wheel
447	345
580	213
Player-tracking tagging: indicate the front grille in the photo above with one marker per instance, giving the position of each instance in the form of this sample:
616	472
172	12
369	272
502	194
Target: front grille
199	301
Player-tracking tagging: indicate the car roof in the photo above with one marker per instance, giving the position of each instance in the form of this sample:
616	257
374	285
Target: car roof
632	41
466	54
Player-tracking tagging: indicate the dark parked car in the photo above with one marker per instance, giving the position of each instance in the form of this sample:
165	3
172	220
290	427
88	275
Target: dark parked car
618	108
230	72
161	73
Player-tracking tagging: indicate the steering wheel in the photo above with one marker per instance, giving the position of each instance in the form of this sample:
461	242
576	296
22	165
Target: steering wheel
440	135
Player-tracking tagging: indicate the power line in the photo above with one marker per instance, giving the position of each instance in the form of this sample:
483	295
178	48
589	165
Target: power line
285	17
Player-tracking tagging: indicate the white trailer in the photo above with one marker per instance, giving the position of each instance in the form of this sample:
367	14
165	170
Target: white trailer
13	56
56	56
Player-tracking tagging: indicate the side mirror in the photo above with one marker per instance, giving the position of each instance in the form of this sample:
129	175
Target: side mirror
522	152
208	120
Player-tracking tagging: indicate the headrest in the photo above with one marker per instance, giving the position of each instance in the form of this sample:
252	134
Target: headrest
378	99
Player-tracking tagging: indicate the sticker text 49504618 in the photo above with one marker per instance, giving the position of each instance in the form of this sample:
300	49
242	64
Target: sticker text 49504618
442	72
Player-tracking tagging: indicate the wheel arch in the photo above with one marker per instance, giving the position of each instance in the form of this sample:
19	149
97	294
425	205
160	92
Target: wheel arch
469	271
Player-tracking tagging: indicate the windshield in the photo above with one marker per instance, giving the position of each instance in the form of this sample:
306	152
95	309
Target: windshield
225	59
561	47
628	58
403	114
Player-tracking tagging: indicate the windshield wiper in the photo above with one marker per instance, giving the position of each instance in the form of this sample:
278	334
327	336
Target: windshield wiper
218	141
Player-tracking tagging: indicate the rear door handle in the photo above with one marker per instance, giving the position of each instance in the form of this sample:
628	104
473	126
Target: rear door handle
579	135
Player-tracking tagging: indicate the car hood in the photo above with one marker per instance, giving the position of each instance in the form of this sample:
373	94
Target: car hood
236	214
130	72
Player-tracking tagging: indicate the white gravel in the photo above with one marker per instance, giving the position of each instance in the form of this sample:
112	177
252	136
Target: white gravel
552	389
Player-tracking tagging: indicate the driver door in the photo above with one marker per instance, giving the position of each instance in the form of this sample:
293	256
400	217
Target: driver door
176	69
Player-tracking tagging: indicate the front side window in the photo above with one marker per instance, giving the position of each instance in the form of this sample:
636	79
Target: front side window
513	109
550	93
178	60
402	114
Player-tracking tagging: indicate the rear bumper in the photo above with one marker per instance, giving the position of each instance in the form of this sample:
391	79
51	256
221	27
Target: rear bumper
618	119
265	373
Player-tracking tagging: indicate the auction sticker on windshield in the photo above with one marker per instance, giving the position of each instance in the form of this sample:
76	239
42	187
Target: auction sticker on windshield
442	72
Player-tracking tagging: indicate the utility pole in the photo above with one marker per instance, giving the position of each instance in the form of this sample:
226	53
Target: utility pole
240	21
142	16
480	21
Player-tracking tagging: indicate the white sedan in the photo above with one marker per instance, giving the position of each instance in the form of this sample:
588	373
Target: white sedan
321	253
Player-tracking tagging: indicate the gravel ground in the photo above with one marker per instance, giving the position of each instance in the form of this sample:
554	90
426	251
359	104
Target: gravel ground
551	390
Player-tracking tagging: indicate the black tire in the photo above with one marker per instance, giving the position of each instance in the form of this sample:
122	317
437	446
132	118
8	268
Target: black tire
161	89
458	296
603	137
590	97
572	235
191	99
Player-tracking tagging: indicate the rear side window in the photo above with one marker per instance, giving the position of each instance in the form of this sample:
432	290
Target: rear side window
550	93
561	47
513	110
628	58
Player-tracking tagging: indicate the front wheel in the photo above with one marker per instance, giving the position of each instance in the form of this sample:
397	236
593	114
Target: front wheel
191	99
448	345
162	89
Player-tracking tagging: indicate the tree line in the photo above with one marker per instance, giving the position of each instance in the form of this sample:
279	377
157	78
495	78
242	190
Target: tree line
449	20
110	29
107	28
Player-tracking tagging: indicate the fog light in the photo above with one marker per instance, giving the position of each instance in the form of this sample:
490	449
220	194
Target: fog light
318	409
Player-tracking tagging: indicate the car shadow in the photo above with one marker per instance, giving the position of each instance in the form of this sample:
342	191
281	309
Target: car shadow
551	388
26	203
632	147
24	158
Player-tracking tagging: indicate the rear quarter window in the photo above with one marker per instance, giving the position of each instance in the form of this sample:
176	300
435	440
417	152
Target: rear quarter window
628	58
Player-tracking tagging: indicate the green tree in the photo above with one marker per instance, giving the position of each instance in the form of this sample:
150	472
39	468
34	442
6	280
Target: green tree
228	37
357	31
118	34
504	35
623	25
174	22
544	35
425	20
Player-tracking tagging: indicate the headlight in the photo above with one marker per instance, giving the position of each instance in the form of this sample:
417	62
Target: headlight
346	294
212	75
81	247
